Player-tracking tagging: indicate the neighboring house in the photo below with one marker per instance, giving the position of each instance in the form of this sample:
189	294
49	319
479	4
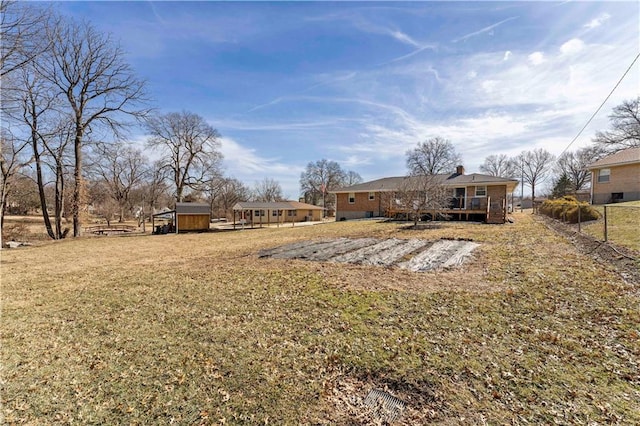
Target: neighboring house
616	177
474	196
259	213
187	216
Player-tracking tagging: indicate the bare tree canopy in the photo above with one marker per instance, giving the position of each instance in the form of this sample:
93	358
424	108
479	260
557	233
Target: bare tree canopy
573	166
223	193
120	168
421	194
536	166
433	156
320	177
268	190
624	129
189	149
99	87
352	178
21	35
500	165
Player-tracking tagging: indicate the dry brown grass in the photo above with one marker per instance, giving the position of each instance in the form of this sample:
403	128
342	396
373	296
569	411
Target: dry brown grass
196	329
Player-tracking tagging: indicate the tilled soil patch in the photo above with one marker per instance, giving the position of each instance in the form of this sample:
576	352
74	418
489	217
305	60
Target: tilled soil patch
413	254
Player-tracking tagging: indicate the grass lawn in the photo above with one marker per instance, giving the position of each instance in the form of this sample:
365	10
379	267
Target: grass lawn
623	224
196	329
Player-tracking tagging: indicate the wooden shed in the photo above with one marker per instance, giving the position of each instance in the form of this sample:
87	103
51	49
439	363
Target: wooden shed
185	218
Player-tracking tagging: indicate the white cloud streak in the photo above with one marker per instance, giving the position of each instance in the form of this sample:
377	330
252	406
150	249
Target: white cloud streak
484	30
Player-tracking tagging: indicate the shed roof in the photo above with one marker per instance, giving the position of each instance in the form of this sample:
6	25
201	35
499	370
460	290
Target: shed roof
620	158
193	208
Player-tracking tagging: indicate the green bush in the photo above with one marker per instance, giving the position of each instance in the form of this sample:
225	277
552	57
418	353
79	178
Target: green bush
566	209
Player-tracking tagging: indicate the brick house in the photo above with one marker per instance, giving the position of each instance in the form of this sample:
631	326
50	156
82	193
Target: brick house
616	177
474	196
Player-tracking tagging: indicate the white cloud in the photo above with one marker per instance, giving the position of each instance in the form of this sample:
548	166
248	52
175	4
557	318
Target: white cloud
249	167
472	74
596	22
507	55
536	58
403	38
488	29
571	47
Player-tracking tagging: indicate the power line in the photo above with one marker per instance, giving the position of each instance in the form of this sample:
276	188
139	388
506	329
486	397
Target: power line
602	104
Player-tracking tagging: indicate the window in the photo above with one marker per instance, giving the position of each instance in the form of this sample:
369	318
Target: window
291	213
372	196
603	175
276	213
352	197
481	191
258	213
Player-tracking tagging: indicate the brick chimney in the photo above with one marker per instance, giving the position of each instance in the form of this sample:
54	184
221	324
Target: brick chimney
460	170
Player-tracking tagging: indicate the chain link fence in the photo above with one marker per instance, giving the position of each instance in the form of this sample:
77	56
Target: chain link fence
621	225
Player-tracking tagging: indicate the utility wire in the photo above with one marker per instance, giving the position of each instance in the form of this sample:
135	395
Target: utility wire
602	104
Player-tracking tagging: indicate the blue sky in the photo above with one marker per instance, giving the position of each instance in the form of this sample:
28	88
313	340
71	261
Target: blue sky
360	83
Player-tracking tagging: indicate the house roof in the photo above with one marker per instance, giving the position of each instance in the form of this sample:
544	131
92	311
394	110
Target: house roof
620	158
395	183
193	208
279	205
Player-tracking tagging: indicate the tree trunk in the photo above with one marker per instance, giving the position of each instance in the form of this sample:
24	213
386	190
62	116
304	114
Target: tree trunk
59	199
43	199
77	190
533	197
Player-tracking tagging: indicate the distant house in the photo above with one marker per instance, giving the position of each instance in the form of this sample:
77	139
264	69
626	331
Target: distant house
273	213
473	196
616	177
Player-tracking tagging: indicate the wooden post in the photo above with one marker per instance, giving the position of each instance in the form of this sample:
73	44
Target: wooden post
606	236
579	216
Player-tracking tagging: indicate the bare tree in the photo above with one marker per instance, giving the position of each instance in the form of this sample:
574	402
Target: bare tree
535	168
21	32
433	156
189	147
422	194
624	129
318	179
268	190
100	89
34	110
12	160
104	205
573	165
352	178
500	165
121	168
223	193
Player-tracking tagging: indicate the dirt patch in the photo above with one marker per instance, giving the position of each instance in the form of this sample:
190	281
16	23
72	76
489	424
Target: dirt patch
348	397
623	260
413	254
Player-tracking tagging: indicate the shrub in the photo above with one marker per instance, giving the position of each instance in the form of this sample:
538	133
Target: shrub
566	209
15	232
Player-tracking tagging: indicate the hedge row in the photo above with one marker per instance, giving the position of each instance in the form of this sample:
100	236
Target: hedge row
566	209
